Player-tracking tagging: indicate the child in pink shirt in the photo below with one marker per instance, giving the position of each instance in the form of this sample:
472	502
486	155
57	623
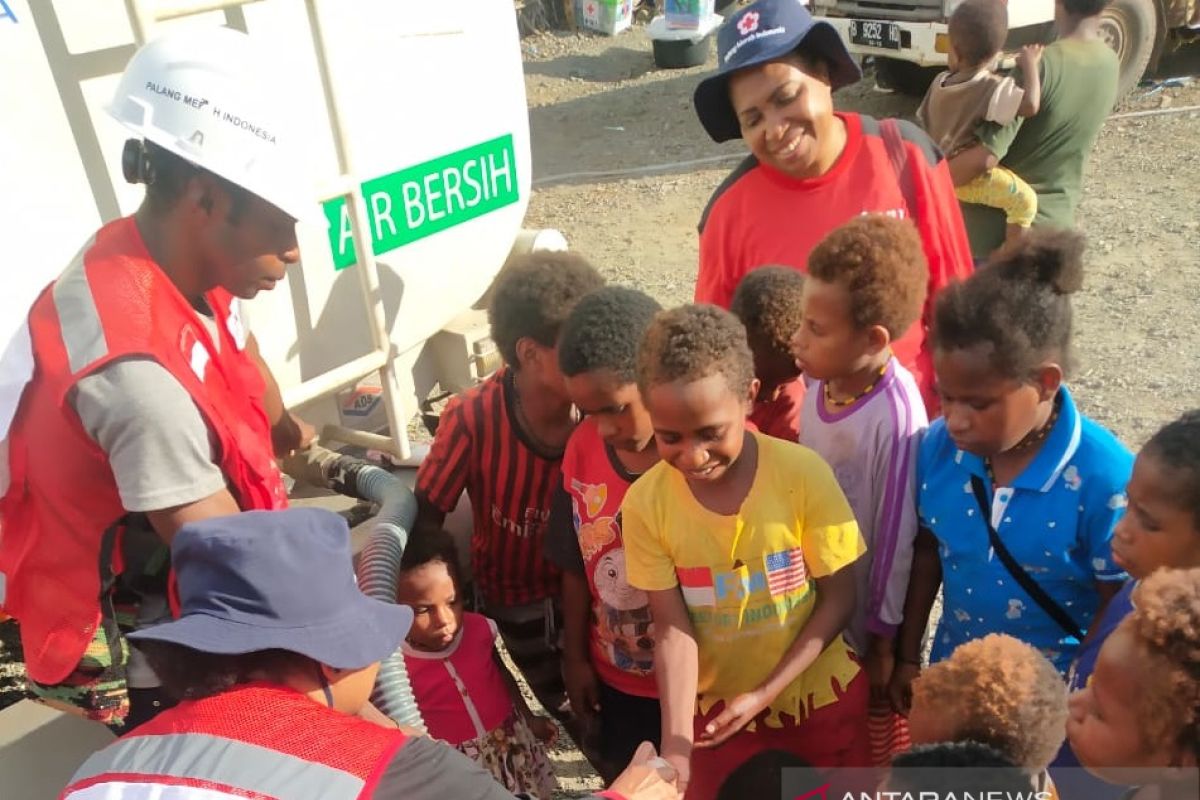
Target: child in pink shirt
466	695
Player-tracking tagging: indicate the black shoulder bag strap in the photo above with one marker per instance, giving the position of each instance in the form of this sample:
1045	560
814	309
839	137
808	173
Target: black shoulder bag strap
893	142
1031	587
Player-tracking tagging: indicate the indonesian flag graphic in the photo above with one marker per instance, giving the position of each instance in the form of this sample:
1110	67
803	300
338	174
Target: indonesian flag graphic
697	586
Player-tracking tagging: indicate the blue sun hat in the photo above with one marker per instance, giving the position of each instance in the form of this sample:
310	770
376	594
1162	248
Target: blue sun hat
762	32
266	580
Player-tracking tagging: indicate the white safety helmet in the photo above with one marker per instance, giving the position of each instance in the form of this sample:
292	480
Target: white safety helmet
207	96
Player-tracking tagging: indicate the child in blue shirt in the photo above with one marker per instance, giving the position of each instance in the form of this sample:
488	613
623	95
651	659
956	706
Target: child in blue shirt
1137	723
1160	529
1012	451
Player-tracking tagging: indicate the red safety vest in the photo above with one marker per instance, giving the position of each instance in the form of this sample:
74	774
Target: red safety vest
259	740
113	301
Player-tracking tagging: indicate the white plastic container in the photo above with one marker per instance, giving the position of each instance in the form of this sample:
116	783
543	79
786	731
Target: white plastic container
608	17
680	48
688	14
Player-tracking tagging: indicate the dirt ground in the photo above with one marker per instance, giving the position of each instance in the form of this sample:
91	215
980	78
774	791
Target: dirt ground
622	167
598	104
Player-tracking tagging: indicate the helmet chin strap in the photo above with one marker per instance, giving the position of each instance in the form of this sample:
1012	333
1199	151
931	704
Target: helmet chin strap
325	686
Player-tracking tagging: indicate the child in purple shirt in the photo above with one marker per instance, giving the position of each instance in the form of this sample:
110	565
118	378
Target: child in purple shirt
863	414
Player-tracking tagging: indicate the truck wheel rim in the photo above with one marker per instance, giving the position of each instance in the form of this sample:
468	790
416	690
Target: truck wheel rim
1113	27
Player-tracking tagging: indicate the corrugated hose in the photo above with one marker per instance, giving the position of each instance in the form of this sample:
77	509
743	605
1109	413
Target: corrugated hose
379	563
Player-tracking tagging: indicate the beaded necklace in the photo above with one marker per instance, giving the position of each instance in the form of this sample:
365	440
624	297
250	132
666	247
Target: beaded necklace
1032	438
831	400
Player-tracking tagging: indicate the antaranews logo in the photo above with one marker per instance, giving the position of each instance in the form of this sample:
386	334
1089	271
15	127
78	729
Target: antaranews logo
940	783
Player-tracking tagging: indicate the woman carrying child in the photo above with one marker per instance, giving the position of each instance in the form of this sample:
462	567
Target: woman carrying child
1018	492
1078	76
742	542
971	93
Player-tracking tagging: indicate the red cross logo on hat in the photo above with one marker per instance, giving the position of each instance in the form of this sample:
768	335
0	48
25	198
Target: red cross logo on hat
748	24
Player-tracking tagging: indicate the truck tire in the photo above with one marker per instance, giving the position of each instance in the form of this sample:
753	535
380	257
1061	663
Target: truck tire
904	76
1130	28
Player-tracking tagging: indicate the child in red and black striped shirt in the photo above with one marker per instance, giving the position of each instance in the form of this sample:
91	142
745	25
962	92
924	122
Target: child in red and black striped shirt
502	442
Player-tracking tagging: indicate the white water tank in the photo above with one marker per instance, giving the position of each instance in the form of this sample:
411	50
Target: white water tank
433	109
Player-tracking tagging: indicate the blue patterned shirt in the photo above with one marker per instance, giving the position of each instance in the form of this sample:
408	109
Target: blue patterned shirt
1056	519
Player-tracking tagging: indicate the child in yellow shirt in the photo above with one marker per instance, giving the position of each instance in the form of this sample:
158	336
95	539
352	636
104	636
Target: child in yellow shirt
742	542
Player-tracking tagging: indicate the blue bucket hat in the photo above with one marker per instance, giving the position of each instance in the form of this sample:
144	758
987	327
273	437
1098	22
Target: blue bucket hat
761	32
265	580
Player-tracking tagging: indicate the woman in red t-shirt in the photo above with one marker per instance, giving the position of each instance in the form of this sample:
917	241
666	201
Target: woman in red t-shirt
810	167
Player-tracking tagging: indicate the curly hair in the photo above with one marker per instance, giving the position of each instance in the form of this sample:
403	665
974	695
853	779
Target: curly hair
1165	622
1085	8
1019	304
769	302
881	264
692	342
534	295
1003	693
953	769
978	29
1177	447
603	332
189	674
430	548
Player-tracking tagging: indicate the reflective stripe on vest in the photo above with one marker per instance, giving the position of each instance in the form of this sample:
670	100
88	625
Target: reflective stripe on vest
79	319
202	759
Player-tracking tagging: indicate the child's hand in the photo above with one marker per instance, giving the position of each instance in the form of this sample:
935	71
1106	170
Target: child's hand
1029	57
737	715
644	779
582	687
544	729
900	686
880	664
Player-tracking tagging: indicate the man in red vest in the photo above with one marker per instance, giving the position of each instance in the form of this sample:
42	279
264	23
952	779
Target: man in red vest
276	651
149	405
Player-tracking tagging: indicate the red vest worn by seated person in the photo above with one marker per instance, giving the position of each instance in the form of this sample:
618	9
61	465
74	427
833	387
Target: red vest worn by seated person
257	740
62	509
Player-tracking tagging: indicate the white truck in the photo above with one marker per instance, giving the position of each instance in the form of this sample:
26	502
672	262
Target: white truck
908	37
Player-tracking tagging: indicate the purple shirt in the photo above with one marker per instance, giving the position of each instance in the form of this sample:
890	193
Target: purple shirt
872	448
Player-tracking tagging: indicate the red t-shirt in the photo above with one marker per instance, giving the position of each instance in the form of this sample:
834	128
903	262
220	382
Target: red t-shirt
480	447
760	216
780	417
622	636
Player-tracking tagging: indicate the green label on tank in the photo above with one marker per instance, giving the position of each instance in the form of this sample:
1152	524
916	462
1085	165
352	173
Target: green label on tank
429	197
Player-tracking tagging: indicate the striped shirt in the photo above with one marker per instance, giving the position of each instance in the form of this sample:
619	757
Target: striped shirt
480	448
872	448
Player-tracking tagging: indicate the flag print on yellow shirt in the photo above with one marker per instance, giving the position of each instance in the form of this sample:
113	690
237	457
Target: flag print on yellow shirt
783	578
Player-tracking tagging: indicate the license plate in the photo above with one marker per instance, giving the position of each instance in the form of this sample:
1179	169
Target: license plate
875	34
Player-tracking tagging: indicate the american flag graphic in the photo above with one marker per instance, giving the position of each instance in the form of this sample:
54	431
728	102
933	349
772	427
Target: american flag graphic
785	571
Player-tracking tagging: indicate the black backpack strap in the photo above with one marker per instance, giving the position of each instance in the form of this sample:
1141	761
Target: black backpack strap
1031	587
893	141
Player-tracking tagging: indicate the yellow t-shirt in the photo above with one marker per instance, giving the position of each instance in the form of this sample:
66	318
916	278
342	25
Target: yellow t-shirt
746	578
